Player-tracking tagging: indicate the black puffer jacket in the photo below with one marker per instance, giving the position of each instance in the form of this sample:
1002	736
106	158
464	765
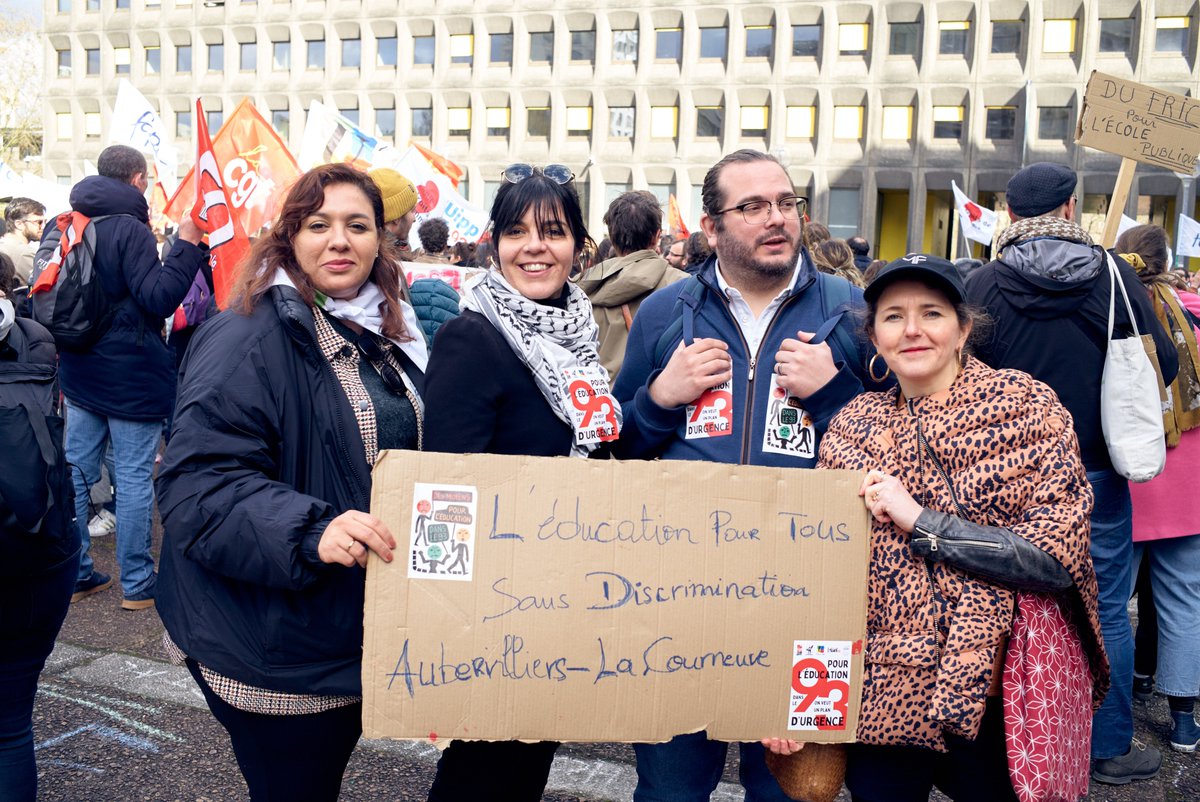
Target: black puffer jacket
264	454
130	372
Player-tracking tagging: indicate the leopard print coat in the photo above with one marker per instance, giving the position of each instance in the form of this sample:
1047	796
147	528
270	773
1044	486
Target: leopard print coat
1011	452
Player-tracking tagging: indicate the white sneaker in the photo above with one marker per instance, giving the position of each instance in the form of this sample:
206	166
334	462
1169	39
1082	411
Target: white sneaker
103	524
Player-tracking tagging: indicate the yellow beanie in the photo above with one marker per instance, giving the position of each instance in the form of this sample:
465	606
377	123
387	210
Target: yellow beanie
399	194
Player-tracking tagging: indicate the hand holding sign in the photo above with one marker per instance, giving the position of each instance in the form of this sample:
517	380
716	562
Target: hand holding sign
691	370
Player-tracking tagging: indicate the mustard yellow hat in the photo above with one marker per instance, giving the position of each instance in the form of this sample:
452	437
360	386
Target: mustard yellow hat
399	194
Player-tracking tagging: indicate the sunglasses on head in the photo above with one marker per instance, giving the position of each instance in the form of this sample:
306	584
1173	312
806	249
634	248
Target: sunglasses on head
558	173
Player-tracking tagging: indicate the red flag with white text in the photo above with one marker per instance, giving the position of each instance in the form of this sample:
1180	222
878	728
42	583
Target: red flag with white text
213	213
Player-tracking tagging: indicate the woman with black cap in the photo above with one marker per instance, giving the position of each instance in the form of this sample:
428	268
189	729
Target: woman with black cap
973	480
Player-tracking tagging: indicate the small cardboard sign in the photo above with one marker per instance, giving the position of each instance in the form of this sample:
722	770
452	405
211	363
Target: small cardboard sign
616	601
1140	122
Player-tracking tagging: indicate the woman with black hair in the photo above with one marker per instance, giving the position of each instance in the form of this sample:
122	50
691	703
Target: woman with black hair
499	382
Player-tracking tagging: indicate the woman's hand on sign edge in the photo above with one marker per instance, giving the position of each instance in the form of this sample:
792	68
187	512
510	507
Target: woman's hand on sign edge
691	370
889	501
781	746
349	536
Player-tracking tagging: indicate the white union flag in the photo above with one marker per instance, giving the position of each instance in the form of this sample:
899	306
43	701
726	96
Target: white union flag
978	223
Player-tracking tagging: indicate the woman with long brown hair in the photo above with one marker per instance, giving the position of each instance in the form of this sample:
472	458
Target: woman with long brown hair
284	402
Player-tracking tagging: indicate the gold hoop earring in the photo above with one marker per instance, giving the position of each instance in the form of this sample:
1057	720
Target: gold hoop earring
871	370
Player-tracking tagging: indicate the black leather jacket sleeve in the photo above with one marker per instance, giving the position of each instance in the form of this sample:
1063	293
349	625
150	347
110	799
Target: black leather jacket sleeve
991	552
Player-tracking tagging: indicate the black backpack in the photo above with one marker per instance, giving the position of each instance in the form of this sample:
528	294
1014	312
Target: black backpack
65	292
37	498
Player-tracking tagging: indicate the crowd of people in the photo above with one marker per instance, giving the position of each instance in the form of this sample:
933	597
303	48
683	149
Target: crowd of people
966	396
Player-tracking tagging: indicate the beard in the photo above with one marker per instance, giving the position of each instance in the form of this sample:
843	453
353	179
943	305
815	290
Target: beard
735	254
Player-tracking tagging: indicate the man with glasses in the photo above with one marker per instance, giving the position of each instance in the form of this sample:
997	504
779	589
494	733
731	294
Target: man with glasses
744	362
25	218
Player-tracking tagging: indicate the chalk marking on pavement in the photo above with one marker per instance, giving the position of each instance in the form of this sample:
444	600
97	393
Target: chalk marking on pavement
70	764
107	733
113	714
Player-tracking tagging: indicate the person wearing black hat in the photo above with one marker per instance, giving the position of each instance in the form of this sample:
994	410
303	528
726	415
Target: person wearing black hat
1048	295
953	534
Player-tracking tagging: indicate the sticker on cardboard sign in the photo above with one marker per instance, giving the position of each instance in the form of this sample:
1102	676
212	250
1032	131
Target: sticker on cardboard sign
789	428
820	693
711	415
593	411
442	535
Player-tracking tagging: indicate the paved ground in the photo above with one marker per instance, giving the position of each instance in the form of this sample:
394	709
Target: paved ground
114	721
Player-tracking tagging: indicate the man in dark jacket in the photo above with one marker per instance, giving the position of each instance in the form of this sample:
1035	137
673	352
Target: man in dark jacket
862	252
747	381
1048	294
122	388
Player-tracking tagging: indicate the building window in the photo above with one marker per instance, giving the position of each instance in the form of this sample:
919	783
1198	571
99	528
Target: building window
153	60
537	121
713	42
64	7
215	120
352	52
501	45
664	122
904	39
760	41
183	124
91	124
541	47
462	48
668	44
216	57
620	122
1006	36
122	4
498	120
281	55
1116	35
316	54
625	46
350	113
806	41
385	123
853	38
847	122
63	128
801	122
755	120
579	120
280	120
423	49
844	205
121	60
385	51
64	63
93	5
459	120
709	121
583	46
1058	36
422	121
183	58
1171	35
954	38
93	60
947	122
1001	122
897	123
1055	122
248	56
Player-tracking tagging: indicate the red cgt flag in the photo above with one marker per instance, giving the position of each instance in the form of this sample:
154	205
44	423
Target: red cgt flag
213	212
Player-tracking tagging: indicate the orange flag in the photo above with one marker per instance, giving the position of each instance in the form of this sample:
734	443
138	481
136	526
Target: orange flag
213	212
675	219
256	168
440	163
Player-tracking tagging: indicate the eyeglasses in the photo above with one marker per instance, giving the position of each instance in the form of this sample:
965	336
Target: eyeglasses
558	173
759	211
37	221
370	350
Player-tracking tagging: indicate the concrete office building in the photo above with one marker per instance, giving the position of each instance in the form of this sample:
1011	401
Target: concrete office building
874	106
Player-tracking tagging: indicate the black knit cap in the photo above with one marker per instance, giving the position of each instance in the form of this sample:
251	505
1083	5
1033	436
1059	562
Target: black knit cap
1040	188
922	267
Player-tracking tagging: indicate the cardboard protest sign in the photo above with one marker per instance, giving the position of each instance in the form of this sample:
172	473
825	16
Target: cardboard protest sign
1140	122
595	600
